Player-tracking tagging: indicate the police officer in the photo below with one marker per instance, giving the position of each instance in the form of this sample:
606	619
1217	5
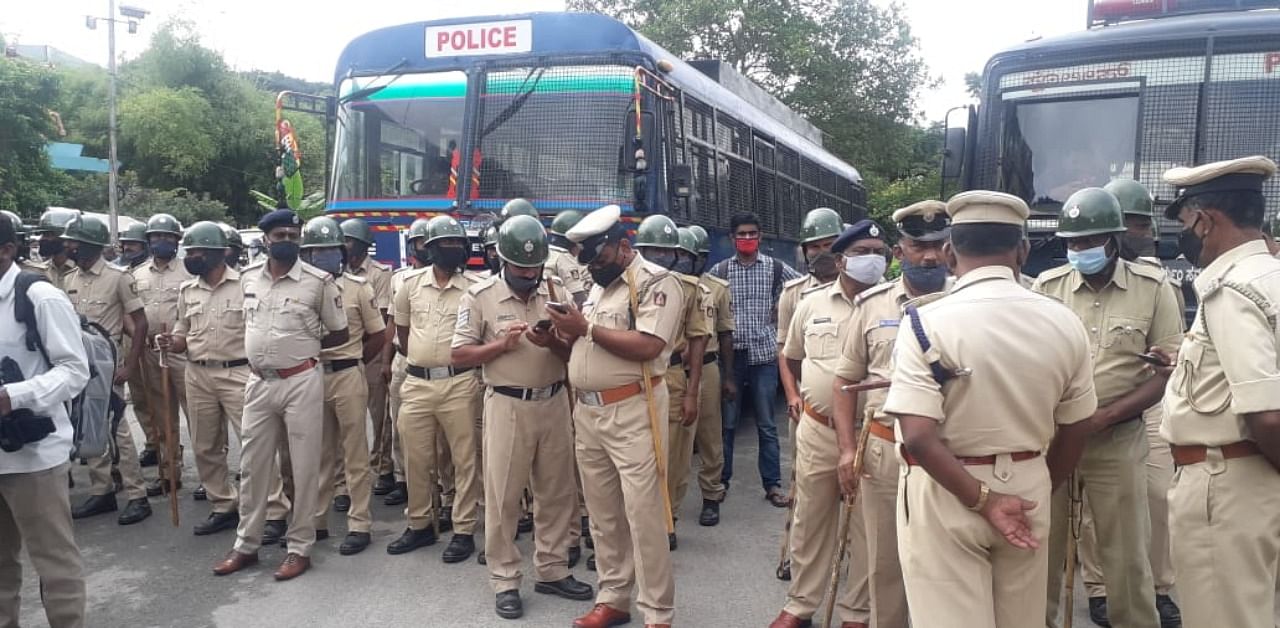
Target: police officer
1126	307
133	252
158	280
620	419
133	245
981	379
23	255
439	400
107	295
1222	407
492	263
292	310
209	330
528	437
235	245
394	363
812	349
866	356
563	261
52	248
707	439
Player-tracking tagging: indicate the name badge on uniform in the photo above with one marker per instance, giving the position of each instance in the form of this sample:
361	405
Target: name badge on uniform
819	321
889	323
501	317
464	317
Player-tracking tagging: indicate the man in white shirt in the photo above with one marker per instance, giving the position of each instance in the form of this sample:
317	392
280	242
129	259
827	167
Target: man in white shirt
34	505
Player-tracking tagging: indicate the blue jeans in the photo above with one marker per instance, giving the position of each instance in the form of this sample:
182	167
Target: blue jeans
762	380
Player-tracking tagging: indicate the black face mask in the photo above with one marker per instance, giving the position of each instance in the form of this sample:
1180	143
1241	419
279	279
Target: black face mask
422	255
606	274
700	265
197	266
135	258
823	264
49	248
358	250
662	257
285	252
233	259
164	250
86	254
452	258
1190	245
24	252
521	285
494	263
1134	246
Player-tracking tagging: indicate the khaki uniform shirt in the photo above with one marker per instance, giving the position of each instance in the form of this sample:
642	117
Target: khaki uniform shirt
787	301
719	309
104	294
1229	363
431	314
867	347
694	323
573	275
158	289
487	309
660	299
1135	310
1154	262
397	282
1027	362
57	276
286	318
379	277
35	267
817	329
363	318
211	318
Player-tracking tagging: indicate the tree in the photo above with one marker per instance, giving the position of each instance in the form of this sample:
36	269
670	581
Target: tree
171	132
973	84
28	94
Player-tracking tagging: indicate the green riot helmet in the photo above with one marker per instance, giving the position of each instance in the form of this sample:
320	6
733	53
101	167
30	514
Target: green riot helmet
688	241
564	221
204	235
321	231
418	229
522	242
357	229
136	232
19	231
54	220
442	227
1090	211
1133	197
490	236
446	243
820	224
517	207
87	229
702	241
658	231
233	237
164	223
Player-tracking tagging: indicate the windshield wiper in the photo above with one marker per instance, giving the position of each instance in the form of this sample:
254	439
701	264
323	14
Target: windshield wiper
517	103
365	92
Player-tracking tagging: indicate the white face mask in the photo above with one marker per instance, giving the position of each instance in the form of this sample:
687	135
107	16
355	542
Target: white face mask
865	269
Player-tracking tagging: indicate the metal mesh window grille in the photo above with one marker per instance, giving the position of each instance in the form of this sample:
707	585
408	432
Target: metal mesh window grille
789	204
697	116
707	209
1242	112
740	189
766	202
790	162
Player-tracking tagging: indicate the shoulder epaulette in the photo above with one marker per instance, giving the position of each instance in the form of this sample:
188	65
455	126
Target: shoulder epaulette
1148	270
188	283
874	290
380	266
812	289
255	266
482	285
472	276
791	283
316	272
356	278
1056	272
716	280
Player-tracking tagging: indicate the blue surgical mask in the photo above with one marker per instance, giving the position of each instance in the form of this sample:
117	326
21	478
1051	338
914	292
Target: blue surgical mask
1089	261
328	260
925	279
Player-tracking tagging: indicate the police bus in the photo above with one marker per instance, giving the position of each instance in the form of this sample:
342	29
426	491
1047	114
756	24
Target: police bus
1151	84
570	111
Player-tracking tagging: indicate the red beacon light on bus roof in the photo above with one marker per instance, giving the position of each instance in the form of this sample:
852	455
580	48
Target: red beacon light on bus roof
1112	11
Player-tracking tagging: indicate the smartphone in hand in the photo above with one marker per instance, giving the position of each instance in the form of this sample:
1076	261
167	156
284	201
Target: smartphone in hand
1152	359
558	307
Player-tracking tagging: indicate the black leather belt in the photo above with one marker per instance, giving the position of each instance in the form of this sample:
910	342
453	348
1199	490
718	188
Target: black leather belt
676	360
439	372
334	366
530	394
215	364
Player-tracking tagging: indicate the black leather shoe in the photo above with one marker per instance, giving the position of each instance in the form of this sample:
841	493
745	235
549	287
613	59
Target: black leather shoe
710	513
398	495
217	522
445	521
586	534
1098	611
200	494
591	562
1170	616
342	503
136	510
274	531
575	555
95	505
525	524
671	542
117	482
355	543
149	458
508	605
384	484
412	540
481	559
156	488
461	546
568	588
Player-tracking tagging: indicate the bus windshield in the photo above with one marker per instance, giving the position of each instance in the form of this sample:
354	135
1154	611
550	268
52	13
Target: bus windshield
1052	148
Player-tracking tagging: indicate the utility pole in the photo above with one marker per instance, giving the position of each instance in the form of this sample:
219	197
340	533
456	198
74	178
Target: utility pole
133	14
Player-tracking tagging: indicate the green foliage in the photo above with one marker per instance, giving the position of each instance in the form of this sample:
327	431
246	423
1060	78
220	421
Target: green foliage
171	132
973	84
28	93
188	208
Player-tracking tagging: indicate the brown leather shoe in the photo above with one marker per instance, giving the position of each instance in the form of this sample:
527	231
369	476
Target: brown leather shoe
602	616
787	620
294	565
234	561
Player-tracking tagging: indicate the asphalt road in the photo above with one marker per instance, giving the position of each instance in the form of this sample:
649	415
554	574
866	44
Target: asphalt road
152	574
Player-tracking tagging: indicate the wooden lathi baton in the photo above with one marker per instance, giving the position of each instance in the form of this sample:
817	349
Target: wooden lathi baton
170	439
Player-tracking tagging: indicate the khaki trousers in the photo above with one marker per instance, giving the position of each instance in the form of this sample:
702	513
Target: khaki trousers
432	409
215	397
815	530
100	483
620	481
140	399
1159	469
177	400
1225	520
708	438
1113	473
959	571
528	443
398	375
878	493
343	438
380	462
679	439
280	413
35	511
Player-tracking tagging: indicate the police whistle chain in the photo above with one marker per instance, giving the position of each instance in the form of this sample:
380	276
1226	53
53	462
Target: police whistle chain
847	503
655	426
170	438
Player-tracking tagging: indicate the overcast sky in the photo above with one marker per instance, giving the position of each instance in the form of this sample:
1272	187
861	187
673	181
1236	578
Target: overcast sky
304	38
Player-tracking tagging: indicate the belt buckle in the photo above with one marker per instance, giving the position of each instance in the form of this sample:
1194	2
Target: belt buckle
541	394
590	398
438	372
269	374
